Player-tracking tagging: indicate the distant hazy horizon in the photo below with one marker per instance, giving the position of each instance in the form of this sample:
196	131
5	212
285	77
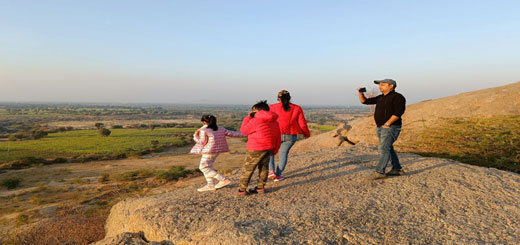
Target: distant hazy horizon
270	101
130	104
239	52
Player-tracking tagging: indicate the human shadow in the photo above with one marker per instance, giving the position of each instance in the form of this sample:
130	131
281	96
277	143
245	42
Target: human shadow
353	160
351	171
357	159
330	165
439	165
319	178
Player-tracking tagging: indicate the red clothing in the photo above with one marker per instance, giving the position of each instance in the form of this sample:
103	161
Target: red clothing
292	121
209	141
263	132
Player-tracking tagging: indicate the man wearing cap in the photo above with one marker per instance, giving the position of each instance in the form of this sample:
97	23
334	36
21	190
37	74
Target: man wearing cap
390	106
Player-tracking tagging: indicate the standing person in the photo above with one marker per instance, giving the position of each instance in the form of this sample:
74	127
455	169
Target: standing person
210	142
390	107
292	122
263	140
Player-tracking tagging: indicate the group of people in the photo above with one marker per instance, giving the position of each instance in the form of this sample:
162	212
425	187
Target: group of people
274	129
270	130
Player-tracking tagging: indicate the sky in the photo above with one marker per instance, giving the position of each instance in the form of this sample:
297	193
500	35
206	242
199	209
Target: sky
239	52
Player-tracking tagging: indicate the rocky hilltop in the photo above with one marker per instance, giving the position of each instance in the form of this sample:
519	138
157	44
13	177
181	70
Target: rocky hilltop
329	198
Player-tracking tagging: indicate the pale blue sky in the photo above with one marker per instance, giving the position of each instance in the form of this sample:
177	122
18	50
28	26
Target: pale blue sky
243	51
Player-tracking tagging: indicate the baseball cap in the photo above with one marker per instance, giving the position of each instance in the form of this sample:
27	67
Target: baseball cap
388	81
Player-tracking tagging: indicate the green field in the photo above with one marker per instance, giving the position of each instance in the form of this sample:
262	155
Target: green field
323	128
89	142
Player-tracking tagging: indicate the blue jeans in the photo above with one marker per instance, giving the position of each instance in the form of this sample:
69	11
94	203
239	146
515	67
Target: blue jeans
387	137
288	141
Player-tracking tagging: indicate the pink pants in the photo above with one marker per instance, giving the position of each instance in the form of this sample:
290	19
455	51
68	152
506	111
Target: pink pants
206	167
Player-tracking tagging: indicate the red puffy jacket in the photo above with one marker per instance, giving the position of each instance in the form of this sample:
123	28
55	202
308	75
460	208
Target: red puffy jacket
263	132
292	121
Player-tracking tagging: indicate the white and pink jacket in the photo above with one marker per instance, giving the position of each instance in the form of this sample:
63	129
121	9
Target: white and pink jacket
209	141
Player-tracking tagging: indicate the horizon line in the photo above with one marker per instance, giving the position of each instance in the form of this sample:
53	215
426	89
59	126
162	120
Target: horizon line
159	103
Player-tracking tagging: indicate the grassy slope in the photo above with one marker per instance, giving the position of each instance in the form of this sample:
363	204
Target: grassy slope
489	142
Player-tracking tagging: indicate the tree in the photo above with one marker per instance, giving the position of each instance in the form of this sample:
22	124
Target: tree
99	125
104	132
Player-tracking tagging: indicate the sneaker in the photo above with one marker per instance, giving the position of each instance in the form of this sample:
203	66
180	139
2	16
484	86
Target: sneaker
378	175
278	178
222	183
271	175
206	188
242	193
395	172
256	190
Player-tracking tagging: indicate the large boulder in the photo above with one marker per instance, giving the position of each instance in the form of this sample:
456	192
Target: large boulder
329	198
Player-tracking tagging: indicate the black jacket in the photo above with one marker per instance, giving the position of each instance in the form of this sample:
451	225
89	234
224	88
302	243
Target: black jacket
387	105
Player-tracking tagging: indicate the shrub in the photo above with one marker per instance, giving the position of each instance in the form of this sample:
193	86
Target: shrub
116	126
38	134
22	219
25	163
104	132
104	178
134	175
78	180
11	182
36	200
174	173
99	125
132	187
31	135
14	137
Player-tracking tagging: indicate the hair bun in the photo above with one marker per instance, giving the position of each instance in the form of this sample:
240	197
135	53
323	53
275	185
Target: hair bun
282	92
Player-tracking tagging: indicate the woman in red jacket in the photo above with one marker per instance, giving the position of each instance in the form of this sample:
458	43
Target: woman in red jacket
292	122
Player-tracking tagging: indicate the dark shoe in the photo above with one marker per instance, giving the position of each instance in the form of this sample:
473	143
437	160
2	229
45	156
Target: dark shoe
395	172
378	175
243	193
256	190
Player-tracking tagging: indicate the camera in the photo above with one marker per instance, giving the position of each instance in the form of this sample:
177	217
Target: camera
252	114
362	90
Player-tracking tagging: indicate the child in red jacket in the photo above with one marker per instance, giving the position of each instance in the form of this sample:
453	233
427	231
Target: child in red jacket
263	141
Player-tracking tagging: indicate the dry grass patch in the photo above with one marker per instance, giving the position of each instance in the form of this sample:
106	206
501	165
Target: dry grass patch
75	212
488	142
